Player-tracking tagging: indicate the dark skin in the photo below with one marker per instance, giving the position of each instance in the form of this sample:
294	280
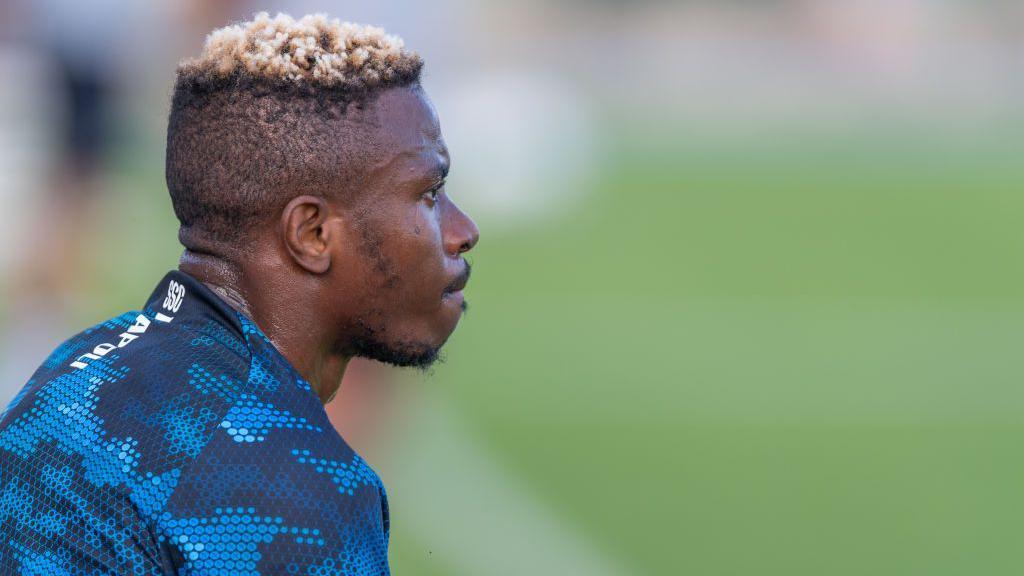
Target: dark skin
325	276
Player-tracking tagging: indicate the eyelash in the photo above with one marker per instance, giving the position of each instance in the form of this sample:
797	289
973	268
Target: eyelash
434	192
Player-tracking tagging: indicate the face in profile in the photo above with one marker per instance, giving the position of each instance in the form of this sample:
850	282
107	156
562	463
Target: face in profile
405	238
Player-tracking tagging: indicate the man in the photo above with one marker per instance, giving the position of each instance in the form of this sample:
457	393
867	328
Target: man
306	167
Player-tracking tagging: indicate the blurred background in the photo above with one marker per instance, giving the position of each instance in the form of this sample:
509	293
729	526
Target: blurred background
749	297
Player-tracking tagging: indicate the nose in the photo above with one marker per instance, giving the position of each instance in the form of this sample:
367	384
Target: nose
462	232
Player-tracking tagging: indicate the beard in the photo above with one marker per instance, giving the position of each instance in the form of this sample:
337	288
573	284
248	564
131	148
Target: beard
373	344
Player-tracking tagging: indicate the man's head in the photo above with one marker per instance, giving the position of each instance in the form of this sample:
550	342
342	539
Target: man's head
307	150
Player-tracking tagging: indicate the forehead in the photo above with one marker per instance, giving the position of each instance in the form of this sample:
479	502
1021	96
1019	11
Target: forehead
405	136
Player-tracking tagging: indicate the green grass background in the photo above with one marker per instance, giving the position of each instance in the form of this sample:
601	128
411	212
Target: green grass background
774	357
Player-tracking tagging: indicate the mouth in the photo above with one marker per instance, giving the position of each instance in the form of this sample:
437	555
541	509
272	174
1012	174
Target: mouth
455	298
453	292
458	283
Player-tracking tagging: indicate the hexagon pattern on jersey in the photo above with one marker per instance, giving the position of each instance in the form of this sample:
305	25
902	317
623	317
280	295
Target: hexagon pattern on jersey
178	440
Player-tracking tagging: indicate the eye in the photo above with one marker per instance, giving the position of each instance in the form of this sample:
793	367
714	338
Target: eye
434	193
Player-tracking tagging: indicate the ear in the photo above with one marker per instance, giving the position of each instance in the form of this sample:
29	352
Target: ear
305	234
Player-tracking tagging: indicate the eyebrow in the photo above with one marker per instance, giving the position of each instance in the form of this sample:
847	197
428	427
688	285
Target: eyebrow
436	171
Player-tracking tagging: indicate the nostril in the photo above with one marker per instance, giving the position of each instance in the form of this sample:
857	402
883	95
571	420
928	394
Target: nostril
470	242
474	237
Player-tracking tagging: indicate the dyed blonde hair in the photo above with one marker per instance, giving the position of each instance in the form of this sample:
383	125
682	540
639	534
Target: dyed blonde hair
314	51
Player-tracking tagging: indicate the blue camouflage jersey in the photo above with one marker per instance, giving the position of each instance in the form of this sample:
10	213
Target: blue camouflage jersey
178	440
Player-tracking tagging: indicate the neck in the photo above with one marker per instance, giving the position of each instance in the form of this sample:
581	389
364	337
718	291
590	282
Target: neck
291	327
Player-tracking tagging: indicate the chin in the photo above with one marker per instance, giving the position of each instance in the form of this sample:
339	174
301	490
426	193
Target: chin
414	344
402	354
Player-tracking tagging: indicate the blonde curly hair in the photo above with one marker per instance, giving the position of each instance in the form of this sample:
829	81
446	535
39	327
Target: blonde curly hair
315	51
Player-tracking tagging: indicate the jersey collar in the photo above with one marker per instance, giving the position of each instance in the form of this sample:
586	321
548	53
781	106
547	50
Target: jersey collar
181	296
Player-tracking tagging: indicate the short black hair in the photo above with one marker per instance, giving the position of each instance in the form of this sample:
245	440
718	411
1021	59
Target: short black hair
251	121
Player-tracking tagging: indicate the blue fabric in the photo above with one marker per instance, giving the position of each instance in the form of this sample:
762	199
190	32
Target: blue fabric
178	440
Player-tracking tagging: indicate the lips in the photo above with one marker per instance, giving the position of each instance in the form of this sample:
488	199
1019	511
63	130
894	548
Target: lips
459	282
455	286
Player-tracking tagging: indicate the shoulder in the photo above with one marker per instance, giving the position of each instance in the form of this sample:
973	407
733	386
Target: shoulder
136	397
106	428
139	363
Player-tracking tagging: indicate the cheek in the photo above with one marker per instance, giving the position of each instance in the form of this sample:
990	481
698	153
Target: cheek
410	260
420	252
425	231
